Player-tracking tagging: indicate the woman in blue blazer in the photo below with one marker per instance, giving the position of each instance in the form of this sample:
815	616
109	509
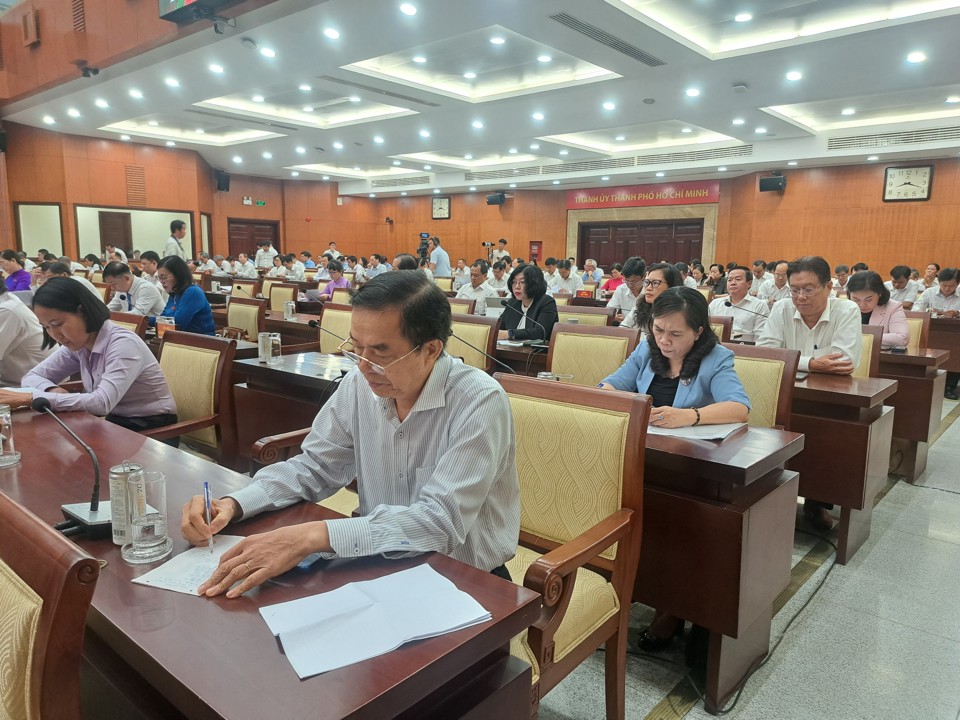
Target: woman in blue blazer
691	381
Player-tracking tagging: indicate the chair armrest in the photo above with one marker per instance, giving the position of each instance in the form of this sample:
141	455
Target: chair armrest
181	428
266	450
300	348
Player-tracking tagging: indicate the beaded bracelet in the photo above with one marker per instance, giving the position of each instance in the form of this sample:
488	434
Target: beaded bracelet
697	411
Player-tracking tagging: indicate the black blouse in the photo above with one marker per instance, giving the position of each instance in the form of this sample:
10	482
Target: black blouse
663	391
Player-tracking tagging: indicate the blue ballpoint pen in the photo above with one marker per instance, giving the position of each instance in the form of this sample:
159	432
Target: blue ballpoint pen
206	501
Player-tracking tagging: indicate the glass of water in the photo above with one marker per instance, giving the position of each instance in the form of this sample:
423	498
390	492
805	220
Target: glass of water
8	454
147	518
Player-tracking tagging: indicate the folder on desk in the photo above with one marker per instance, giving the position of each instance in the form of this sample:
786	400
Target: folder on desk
365	619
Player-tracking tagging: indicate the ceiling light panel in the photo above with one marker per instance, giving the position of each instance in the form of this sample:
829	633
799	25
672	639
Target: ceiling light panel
639	137
353	171
173	128
474	161
495	71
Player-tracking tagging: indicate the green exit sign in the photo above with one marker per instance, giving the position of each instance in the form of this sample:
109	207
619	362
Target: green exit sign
261	203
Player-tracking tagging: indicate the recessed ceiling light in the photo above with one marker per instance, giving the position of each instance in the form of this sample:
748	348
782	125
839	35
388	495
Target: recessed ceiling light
722	168
761	131
301	150
538	116
605	178
372	195
419	59
215	68
743	17
305	88
200	131
136	94
325	177
408	9
953	99
237	159
153	123
378	139
660	174
308	108
403	194
794	75
172	82
396	162
556	182
268	52
428	167
354	98
101	103
472	188
478	124
512	151
497	40
338	145
331	33
620	138
792	162
268	156
357	167
258	98
848	111
738	121
294	173
872	158
424	133
48	120
544	58
468	156
171	143
469	75
436	191
692	92
916	57
73	112
564	152
687	130
609	106
534	146
513	185
125	138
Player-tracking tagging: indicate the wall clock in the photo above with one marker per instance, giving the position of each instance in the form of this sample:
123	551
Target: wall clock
441	208
907	184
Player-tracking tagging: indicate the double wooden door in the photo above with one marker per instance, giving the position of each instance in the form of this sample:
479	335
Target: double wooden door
653	240
243	235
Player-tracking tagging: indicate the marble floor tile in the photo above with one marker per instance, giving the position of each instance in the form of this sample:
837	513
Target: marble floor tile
922	511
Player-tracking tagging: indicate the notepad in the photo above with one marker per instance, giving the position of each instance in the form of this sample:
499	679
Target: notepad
700	432
187	571
364	619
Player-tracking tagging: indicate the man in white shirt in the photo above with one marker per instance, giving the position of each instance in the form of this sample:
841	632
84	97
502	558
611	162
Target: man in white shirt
569	282
902	288
294	269
28	264
332	251
245	269
501	252
265	254
439	259
228	266
205	264
174	246
477	289
497	277
625	297
760	276
148	267
111	250
75	267
942	298
777	288
461	274
840	283
550	274
591	273
359	274
59	269
21	339
132	294
749	313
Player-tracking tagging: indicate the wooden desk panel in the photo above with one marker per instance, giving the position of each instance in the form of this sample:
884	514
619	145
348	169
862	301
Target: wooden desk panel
213	658
945	335
526	360
292	331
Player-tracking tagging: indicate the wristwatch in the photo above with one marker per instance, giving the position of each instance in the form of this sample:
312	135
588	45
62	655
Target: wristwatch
510	334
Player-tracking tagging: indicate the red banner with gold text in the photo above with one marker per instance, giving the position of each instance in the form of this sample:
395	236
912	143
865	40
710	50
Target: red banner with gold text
681	193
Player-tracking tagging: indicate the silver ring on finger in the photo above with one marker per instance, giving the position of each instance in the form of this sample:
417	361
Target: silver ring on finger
659	417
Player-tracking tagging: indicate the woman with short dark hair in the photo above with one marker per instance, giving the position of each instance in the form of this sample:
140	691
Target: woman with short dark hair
186	303
121	378
867	290
16	277
530	313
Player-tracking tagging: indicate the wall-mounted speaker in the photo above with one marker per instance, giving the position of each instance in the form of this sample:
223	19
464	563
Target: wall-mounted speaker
3	141
223	181
496	199
777	183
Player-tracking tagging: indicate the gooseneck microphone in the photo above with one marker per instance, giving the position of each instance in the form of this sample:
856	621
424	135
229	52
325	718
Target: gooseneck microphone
316	324
507	305
737	307
93	519
489	357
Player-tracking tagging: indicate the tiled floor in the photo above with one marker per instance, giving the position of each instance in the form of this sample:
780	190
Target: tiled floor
880	641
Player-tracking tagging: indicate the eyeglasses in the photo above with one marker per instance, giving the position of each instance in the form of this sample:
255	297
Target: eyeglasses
805	292
633	283
652	283
378	369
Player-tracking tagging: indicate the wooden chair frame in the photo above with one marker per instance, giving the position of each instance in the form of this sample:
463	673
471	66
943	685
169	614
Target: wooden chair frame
106	292
462	306
791	360
874	363
341	296
140	322
290	290
727	322
581	310
444	283
553	575
64	576
493	323
261	312
248	288
925	327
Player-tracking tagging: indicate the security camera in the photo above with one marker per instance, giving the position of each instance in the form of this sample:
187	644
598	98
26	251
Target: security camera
89	72
389	220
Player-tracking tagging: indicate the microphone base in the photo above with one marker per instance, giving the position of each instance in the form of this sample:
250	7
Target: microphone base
95	526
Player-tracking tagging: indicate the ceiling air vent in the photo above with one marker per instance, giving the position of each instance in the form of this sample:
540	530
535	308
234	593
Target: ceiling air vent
136	178
588	165
503	174
245	119
605	38
376	91
400	182
909	137
737	151
79	16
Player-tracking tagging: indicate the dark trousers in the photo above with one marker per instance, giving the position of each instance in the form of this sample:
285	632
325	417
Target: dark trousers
502	572
148	422
952	379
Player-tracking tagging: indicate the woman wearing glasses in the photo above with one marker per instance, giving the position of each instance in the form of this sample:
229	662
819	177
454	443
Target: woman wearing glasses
337	280
660	277
530	313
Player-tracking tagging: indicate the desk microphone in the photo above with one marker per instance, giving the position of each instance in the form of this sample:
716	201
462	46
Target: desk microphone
489	357
737	307
93	519
316	324
507	305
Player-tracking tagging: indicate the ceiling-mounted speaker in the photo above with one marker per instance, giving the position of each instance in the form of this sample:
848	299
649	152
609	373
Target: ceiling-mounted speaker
496	199
223	181
777	183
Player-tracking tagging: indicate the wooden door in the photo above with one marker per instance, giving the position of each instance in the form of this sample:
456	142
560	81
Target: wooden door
243	235
116	230
656	240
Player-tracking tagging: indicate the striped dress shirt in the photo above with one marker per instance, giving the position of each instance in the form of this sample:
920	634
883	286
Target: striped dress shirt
444	479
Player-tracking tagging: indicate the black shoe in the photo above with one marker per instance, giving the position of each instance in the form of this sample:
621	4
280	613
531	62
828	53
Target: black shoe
648	642
951	394
818	517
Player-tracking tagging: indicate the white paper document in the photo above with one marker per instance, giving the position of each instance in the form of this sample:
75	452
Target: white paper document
365	619
700	432
189	570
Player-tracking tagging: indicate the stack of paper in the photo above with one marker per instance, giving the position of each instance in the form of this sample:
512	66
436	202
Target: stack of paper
191	569
700	432
365	619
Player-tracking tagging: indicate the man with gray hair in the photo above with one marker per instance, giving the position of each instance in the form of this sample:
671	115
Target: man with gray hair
591	273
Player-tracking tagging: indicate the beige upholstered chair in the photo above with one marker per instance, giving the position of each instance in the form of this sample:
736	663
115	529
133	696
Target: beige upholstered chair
444	283
96	277
310	275
562	300
131	321
919	326
722	326
46	584
586	315
706	291
480	332
197	277
106	292
589	352
267	283
572	517
870	353
768	376
198	371
462	306
281	293
592	287
248	314
341	296
245	288
335	319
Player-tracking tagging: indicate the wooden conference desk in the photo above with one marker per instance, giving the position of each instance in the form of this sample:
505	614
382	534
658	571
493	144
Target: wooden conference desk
151	653
718	524
848	431
918	402
525	360
292	331
945	335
